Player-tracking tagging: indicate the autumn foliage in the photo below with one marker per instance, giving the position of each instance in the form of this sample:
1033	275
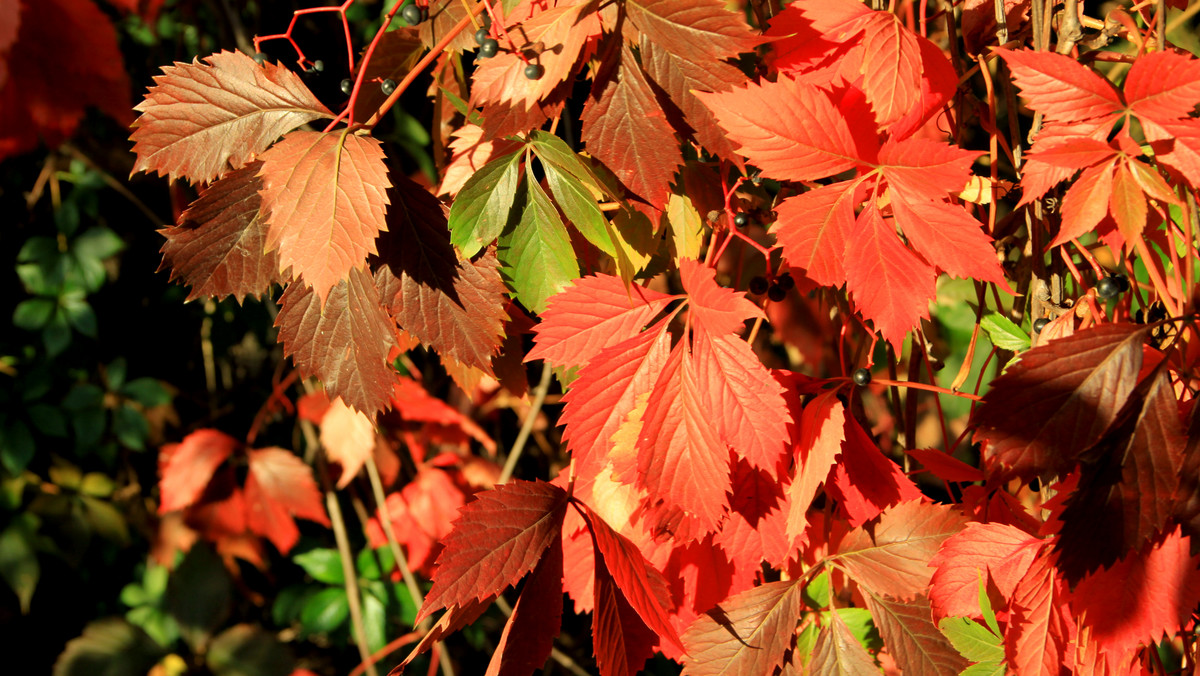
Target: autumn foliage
736	238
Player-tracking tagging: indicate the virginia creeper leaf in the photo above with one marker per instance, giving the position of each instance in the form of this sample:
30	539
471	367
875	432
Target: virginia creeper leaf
911	637
626	129
681	460
536	619
813	228
890	554
1058	400
788	128
744	402
218	246
324	199
606	391
483	206
746	634
456	307
199	120
279	487
594	313
498	537
1061	88
345	342
187	467
535	253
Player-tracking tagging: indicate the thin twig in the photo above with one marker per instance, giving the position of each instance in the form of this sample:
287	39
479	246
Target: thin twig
539	397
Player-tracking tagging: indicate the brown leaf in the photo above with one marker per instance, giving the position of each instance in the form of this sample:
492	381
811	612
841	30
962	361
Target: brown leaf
324	199
199	120
455	307
1058	400
217	248
345	343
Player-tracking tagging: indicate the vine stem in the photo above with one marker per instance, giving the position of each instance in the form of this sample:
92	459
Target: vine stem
539	397
421	65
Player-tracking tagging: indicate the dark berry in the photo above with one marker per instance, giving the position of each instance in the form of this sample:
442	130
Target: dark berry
318	66
741	220
1122	282
862	377
1107	288
776	293
534	71
412	14
759	285
388	85
481	35
1040	324
347	86
488	48
785	282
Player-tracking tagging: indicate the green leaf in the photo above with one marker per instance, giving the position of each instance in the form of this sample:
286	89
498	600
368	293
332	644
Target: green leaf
324	565
18	560
483	206
972	640
325	611
1003	333
535	255
200	595
146	391
246	650
579	205
34	313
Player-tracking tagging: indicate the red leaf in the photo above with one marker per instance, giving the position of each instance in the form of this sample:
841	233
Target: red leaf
909	633
594	313
187	467
981	551
536	619
718	310
788	128
627	130
1061	88
949	238
890	285
1086	202
279	487
708	27
1163	86
747	634
945	467
348	437
498	538
891	67
744	402
218	246
638	582
345	343
680	75
681	460
1040	630
456	307
620	639
891	554
606	391
822	430
1058	400
837	651
813	227
561	33
199	120
324	199
52	79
